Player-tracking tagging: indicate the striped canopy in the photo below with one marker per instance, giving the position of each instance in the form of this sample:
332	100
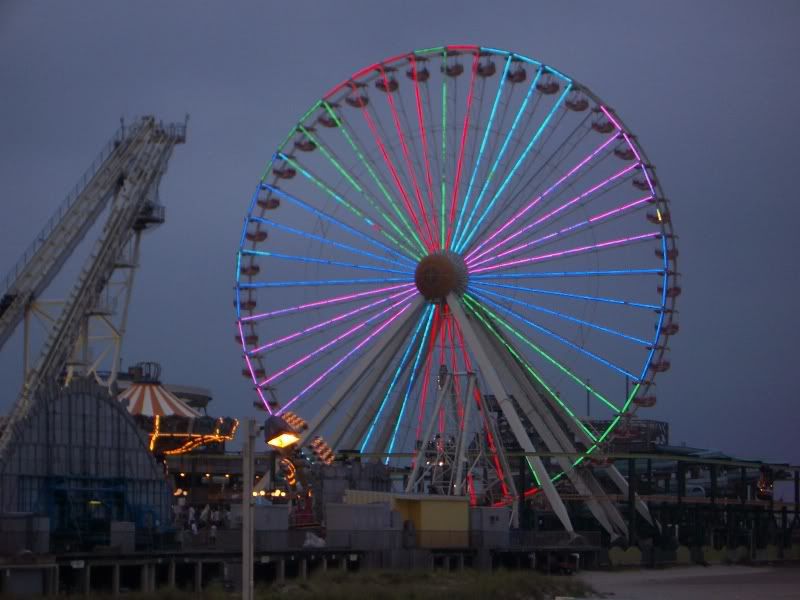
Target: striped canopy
150	399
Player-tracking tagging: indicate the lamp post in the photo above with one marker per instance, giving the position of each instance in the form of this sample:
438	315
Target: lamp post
278	434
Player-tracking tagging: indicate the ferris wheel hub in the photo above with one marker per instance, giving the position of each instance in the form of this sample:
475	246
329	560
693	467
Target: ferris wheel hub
439	274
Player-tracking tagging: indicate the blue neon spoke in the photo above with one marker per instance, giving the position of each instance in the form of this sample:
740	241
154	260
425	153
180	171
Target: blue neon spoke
325	240
410	381
551	274
568	295
663	305
325	216
323	282
463	244
500	154
555	336
483	146
400	368
322	261
567	317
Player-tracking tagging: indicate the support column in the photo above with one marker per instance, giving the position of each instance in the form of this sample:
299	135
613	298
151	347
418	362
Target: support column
303	569
87	579
144	578
323	566
115	580
198	576
171	574
280	576
631	501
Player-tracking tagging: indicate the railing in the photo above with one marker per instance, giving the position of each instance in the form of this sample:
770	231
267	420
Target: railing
66	204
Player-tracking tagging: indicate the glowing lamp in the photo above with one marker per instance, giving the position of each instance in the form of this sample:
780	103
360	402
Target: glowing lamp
279	434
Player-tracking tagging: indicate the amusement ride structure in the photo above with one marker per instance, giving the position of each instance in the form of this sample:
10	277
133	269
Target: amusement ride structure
84	332
458	257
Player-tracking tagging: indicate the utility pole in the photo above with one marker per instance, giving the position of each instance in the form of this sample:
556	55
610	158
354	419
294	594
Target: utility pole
248	466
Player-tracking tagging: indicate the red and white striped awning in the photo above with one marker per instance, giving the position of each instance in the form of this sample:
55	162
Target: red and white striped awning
150	400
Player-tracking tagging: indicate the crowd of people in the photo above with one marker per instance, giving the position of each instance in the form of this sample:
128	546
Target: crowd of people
195	519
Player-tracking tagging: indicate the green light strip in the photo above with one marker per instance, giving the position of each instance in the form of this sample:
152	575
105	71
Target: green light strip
375	178
342	201
429	50
544	354
537	377
355	184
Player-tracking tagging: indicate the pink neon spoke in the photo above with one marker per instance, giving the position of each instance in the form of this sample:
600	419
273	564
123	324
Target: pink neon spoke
344	358
564	230
327	322
570	251
424	136
460	164
535	201
554	212
337	339
409	167
327	301
610	118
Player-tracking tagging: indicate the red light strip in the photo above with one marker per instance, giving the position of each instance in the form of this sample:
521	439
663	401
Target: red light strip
460	164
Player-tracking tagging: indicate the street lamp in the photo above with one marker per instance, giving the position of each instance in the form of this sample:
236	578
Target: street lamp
279	435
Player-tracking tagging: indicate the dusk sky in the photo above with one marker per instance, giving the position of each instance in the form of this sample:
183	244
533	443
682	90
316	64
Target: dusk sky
710	89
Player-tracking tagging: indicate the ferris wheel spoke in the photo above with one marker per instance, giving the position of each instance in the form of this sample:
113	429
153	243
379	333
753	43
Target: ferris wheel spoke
322	282
509	135
462	147
551	274
330	219
339	338
437	325
323	240
314	383
327	322
411	380
411	171
567	317
357	146
617	177
563	232
358	186
485	138
473	253
600	299
467	237
317	304
478	307
562	340
396	178
339	199
571	251
423	132
322	261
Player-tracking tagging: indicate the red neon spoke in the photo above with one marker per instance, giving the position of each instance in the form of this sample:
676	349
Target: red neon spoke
424	135
454	369
460	164
390	165
407	157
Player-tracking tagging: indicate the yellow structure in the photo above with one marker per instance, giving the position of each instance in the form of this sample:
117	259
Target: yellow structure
439	521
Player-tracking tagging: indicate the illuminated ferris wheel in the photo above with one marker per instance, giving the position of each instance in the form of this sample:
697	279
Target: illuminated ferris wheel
458	256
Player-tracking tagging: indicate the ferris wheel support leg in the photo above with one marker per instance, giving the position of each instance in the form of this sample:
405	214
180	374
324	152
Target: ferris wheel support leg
457	486
368	358
554	438
377	366
496	386
417	468
622	484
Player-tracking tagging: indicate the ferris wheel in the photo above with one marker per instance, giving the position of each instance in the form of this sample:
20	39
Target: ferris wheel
457	257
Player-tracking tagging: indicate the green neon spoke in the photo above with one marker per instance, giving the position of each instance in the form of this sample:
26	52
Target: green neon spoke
375	178
536	376
544	354
353	182
429	50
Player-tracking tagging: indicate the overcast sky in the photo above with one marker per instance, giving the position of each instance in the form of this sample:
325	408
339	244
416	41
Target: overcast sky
710	88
